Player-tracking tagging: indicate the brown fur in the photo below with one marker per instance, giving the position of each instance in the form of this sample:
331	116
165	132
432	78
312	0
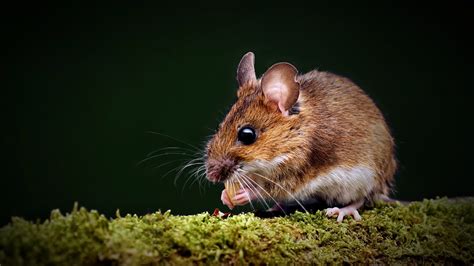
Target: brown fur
337	125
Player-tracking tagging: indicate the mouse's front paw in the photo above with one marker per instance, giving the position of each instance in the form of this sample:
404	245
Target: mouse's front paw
243	196
226	200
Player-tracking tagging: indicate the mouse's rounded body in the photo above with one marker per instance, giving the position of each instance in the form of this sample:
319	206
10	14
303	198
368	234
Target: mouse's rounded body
351	150
293	137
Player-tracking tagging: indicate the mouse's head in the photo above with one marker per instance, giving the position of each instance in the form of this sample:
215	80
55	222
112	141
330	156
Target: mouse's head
261	131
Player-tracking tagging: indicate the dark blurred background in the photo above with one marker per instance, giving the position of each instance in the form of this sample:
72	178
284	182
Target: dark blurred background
82	86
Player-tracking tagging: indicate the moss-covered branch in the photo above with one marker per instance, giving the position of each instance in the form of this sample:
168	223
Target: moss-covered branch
439	230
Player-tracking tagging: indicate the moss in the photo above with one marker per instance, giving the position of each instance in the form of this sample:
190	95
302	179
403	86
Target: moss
431	231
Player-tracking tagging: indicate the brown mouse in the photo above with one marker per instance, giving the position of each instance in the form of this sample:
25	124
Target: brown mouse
294	137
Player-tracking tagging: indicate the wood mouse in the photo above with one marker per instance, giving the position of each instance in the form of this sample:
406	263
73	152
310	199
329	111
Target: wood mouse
293	137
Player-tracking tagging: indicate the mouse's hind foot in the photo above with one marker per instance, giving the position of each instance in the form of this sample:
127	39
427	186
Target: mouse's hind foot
340	213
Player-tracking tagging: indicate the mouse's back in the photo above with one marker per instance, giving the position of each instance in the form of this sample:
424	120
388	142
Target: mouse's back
339	114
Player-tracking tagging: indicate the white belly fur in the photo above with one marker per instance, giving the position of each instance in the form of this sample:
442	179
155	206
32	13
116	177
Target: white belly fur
342	185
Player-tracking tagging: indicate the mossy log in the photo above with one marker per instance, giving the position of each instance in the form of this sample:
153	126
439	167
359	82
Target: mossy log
429	231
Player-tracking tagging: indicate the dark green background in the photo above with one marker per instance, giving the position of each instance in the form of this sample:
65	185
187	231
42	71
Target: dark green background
82	86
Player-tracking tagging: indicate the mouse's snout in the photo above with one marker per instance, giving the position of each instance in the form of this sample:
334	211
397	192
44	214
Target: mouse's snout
218	170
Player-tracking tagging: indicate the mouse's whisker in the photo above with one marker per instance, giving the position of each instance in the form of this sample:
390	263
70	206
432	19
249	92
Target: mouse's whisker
194	175
266	192
181	171
247	185
193	162
180	149
173	169
194	172
186	182
285	190
195	148
168	163
200	175
160	155
238	177
202	170
257	193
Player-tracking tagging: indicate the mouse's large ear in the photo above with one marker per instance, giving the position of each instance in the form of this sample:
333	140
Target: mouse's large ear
246	69
280	86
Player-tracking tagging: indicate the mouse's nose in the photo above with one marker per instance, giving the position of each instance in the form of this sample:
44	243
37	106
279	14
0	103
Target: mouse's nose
219	170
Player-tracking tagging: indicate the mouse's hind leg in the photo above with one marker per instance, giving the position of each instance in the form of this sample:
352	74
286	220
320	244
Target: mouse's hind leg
347	210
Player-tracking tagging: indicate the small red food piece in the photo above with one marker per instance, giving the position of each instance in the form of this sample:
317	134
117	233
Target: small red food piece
218	213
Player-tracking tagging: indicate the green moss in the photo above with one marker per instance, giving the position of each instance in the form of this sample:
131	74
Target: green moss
440	231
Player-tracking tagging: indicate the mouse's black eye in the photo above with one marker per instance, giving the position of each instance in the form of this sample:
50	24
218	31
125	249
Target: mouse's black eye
247	135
